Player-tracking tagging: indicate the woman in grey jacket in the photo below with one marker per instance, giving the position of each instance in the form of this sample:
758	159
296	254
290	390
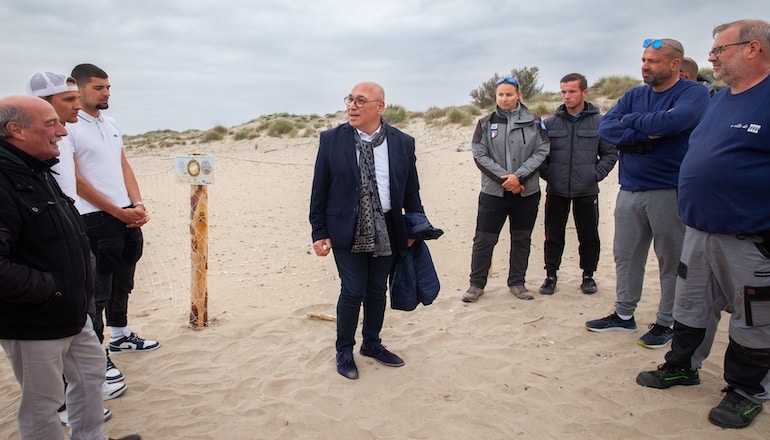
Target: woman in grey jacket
509	146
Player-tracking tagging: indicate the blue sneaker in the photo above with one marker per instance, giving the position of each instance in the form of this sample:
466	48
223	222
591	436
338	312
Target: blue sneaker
657	337
612	322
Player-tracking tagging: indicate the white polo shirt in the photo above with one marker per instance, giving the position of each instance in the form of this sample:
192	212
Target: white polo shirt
64	171
98	146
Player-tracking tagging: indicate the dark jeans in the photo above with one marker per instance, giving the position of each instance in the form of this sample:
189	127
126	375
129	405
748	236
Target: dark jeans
117	250
364	281
586	216
521	213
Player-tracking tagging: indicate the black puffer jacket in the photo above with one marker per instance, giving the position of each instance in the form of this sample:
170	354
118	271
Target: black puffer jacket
578	159
45	266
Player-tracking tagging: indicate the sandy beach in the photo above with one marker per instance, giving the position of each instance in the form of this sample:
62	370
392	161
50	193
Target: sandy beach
500	368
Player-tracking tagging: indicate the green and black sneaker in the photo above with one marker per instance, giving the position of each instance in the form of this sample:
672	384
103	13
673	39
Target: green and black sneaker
666	377
734	411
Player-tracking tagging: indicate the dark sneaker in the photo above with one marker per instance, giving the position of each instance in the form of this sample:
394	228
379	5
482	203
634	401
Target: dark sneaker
734	411
112	375
132	343
548	287
666	377
128	437
381	354
346	366
473	294
612	322
588	286
657	337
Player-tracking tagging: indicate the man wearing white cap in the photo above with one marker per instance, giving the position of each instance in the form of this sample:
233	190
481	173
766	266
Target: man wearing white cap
62	93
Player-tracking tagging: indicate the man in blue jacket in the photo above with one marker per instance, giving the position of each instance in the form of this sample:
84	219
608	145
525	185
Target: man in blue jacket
724	199
578	160
45	280
365	178
650	124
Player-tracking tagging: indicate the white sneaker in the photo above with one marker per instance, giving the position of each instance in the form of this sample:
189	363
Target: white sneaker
113	390
64	417
112	374
132	343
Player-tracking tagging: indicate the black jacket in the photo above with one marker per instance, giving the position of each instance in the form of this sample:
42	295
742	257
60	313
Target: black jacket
45	264
579	159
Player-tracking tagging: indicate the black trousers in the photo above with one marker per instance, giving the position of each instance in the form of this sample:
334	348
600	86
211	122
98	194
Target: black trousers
117	250
586	216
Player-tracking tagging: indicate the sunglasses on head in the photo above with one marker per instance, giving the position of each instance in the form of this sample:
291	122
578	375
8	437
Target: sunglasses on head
509	80
657	44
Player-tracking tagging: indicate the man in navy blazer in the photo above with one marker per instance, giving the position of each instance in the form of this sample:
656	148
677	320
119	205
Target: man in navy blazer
365	178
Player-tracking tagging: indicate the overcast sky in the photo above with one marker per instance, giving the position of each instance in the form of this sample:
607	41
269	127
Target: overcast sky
181	64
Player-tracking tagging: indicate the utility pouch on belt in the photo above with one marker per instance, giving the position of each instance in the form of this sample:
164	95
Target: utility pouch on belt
754	294
764	247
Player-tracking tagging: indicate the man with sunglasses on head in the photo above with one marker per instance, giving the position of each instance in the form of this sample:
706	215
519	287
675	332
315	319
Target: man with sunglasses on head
650	124
509	145
365	178
724	201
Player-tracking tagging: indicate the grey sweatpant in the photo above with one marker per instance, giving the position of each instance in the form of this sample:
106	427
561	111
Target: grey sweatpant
642	218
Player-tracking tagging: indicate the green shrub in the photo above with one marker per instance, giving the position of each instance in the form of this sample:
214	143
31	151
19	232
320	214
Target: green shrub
280	127
244	134
613	87
458	116
213	135
394	114
434	113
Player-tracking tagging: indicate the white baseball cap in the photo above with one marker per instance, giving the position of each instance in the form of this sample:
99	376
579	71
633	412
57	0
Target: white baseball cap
49	83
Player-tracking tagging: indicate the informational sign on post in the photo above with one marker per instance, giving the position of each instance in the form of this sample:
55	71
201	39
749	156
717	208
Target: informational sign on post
194	169
197	171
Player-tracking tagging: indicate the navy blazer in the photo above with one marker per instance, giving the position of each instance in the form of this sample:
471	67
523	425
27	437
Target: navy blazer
336	180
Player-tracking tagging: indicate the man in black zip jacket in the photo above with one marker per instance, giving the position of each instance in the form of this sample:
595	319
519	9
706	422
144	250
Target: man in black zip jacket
45	280
578	161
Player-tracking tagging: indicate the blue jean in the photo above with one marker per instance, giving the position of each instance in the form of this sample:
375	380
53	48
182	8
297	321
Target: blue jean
117	250
364	281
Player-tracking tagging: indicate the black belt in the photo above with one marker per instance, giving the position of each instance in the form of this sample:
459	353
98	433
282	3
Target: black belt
93	214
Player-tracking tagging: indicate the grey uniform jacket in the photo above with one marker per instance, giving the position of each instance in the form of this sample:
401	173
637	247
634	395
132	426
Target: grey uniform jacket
523	134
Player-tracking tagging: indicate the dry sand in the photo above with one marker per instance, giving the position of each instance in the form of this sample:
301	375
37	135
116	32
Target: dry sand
501	368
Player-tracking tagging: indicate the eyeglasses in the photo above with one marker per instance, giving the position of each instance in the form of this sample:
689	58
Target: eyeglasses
717	51
359	101
657	44
509	80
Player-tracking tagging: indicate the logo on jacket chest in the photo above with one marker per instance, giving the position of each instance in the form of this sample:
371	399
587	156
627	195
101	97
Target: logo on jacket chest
493	128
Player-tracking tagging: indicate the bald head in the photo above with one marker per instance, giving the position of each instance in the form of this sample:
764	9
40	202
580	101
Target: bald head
31	125
373	88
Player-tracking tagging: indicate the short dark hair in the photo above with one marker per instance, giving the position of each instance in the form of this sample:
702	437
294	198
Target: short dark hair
582	81
84	72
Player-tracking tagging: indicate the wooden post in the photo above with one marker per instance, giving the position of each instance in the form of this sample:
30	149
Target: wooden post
199	255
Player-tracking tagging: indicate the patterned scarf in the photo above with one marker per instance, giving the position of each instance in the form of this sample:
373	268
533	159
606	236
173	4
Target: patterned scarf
371	229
